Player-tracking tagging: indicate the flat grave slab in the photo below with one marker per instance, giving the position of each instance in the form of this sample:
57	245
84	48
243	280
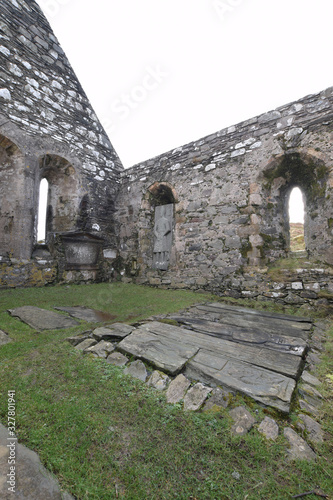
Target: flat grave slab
239	349
42	319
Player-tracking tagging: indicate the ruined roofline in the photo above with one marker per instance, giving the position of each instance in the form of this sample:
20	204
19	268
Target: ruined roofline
295	114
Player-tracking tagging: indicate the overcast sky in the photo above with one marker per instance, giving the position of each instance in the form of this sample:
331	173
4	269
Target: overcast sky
162	73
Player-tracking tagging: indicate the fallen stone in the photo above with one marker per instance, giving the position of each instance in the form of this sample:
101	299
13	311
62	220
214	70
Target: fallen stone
33	480
41	319
85	344
308	407
137	369
100	350
219	399
118	359
299	449
196	396
86	314
314	430
243	419
4	338
119	331
159	380
307	378
310	394
177	389
269	428
78	338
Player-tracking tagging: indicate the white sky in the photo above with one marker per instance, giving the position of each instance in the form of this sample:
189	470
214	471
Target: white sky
162	73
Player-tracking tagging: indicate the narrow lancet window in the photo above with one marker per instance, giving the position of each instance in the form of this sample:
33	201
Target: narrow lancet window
42	209
296	220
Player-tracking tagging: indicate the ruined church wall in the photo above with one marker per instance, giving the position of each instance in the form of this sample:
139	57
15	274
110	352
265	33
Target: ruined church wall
46	117
231	191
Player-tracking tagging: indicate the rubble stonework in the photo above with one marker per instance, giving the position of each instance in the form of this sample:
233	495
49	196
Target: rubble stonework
48	129
226	194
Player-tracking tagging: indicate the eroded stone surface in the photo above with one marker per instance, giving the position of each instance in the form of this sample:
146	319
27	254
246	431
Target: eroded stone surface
101	350
219	398
159	380
314	430
116	358
115	331
196	396
269	428
85	344
76	339
42	319
243	419
177	389
309	379
299	449
137	369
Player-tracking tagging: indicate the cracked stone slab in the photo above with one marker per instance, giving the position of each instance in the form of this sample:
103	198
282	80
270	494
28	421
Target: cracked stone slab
314	429
265	386
219	398
33	480
150	343
87	314
42	319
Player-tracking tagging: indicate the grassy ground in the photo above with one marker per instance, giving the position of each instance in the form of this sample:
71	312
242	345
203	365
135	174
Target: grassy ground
297	242
108	436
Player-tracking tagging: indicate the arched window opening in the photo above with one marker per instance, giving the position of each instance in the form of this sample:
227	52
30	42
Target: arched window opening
296	220
42	211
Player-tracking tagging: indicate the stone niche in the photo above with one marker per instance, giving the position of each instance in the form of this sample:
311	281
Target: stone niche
163	225
82	251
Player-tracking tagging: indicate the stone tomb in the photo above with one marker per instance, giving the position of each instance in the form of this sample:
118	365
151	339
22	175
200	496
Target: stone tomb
257	354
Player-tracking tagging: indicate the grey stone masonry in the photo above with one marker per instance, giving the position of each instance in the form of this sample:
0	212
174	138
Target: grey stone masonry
47	121
230	192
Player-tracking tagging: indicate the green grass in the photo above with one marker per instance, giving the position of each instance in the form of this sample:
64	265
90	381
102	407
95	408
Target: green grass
106	435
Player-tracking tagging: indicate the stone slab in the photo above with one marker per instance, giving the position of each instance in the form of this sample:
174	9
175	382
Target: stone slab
33	481
163	336
114	331
264	386
87	314
85	344
42	319
219	398
246	336
148	343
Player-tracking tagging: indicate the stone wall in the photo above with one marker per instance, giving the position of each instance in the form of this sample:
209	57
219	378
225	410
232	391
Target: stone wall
230	192
48	129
